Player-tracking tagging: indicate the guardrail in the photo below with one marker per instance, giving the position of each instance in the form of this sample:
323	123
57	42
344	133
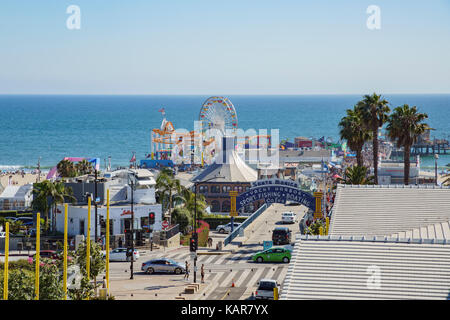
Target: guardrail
245	224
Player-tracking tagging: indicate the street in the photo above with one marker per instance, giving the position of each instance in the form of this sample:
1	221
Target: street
221	270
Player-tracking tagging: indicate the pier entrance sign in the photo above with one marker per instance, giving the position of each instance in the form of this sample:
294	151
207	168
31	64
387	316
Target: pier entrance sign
276	191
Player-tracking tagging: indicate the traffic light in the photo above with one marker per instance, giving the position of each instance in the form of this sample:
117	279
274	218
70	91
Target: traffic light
193	243
151	218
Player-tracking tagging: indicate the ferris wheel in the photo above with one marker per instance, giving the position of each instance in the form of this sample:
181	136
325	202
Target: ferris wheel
217	116
218	113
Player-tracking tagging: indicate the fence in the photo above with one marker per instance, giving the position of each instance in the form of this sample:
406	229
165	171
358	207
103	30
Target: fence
245	224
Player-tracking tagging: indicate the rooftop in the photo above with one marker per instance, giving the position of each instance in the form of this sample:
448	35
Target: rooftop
377	210
324	267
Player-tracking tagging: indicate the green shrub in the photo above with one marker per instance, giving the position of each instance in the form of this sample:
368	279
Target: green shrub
21	264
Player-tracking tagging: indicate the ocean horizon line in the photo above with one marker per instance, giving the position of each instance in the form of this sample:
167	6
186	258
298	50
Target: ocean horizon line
220	94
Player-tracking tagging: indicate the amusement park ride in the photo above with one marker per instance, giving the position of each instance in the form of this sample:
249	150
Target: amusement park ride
174	147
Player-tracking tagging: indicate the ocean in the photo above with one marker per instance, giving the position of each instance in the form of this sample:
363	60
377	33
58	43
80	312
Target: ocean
51	127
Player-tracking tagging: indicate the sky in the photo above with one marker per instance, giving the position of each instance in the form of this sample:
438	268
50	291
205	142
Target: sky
224	47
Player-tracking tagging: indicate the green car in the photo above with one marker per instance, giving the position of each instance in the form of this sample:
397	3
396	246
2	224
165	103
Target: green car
273	255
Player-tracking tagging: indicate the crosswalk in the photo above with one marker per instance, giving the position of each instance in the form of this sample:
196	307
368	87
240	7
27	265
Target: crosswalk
243	278
221	271
241	256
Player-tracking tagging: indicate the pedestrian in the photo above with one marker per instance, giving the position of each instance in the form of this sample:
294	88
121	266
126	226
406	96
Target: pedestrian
186	274
120	242
202	273
104	282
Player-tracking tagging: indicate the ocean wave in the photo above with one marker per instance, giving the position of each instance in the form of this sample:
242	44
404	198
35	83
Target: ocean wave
24	168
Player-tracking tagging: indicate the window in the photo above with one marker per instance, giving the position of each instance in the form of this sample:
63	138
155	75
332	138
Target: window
81	230
215	189
226	206
215	206
203	189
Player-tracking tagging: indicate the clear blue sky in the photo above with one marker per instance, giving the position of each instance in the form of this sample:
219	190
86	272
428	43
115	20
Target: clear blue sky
224	47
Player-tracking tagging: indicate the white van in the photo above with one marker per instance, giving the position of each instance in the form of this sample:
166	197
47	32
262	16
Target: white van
288	217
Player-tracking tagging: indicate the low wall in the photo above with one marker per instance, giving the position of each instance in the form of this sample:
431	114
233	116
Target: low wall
172	242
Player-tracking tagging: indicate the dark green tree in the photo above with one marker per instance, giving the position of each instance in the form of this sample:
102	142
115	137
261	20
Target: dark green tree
405	125
374	111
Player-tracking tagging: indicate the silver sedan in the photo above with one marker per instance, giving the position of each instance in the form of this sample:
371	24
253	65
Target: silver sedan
163	265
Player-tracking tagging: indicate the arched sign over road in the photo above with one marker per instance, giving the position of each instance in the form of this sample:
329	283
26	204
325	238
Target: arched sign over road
275	191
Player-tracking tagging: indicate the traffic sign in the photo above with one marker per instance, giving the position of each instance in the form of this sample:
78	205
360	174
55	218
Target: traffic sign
267	245
193	255
165	224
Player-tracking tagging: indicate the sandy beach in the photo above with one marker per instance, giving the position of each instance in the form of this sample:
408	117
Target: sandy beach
18	180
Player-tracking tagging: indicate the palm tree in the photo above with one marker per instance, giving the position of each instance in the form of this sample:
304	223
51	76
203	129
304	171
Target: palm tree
47	194
374	111
84	167
404	127
187	197
167	187
352	130
66	169
357	175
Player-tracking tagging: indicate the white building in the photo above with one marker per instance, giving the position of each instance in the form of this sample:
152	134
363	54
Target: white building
16	197
120	216
120	210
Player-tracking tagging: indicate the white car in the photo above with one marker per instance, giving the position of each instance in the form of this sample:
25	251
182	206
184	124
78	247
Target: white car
288	217
265	289
2	234
226	227
120	254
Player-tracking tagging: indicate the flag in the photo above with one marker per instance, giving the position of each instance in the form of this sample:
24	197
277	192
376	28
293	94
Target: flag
163	111
133	158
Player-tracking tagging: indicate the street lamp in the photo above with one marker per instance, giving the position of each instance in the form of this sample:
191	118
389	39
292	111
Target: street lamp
195	224
132	183
436	157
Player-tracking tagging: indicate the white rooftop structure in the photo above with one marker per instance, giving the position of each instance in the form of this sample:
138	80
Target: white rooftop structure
228	165
433	231
386	210
344	267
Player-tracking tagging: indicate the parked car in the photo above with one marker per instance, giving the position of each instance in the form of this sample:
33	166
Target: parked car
2	234
26	221
163	265
48	254
225	228
288	217
120	254
265	289
281	235
273	255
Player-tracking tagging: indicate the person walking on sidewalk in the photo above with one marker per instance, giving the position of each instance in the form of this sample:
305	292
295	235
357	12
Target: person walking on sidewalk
186	274
202	273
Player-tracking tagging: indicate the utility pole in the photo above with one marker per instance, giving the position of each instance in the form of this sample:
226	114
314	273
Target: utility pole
436	157
95	205
132	229
38	179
